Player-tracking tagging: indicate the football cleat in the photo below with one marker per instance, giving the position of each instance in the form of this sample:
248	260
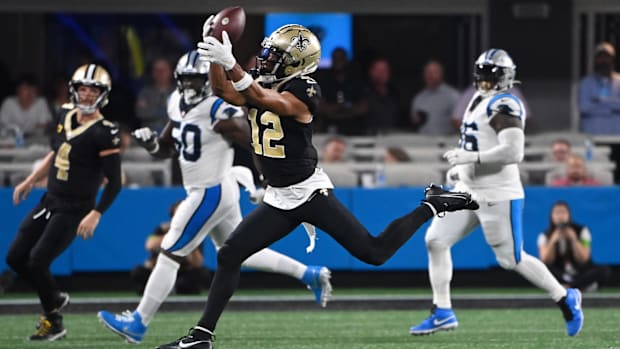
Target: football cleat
440	200
440	320
127	325
197	338
49	330
571	309
317	280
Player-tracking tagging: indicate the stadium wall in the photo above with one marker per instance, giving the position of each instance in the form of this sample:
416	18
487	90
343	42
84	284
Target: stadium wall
118	244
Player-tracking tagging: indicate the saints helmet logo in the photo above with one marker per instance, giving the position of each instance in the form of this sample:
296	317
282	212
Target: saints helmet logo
301	43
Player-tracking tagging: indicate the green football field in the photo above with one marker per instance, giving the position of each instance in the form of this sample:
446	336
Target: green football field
479	329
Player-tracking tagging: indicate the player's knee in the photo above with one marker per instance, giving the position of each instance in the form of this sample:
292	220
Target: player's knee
435	244
16	262
508	263
227	256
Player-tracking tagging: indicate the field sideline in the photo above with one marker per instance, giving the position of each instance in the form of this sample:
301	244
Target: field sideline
479	329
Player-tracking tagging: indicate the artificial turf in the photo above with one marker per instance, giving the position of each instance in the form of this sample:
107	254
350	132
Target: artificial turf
325	329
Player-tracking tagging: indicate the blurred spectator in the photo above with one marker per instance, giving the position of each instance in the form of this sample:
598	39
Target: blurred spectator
384	112
192	275
599	94
152	99
431	108
342	106
395	155
26	110
59	95
565	247
560	150
466	97
558	155
576	173
333	150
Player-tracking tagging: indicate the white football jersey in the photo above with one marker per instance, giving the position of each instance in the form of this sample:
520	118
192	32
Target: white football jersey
205	156
489	182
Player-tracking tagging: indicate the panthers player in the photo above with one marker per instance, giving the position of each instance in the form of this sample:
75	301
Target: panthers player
85	149
281	105
491	145
199	131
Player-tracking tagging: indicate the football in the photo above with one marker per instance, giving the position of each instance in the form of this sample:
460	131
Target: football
231	20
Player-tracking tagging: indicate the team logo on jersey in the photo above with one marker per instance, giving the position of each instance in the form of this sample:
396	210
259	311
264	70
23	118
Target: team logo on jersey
302	42
58	128
311	91
116	140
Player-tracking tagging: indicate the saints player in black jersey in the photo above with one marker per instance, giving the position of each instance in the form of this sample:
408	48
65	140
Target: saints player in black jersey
85	149
281	103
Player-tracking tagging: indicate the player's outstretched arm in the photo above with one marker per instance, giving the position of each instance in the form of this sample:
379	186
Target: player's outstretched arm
161	146
222	87
23	189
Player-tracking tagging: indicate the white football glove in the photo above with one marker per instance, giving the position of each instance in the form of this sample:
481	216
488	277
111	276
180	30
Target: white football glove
257	196
458	156
146	138
206	27
217	52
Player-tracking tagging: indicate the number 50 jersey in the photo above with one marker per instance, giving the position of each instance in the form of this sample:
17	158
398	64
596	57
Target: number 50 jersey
205	156
491	182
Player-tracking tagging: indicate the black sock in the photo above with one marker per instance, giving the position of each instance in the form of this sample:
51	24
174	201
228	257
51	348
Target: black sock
566	312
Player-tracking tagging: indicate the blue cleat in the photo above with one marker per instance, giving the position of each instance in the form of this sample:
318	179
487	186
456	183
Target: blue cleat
571	309
439	320
316	279
127	325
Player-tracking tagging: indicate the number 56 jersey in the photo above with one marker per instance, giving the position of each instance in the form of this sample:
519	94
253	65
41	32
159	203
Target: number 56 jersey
205	156
489	182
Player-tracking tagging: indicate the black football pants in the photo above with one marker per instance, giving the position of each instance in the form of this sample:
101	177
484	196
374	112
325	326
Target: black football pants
266	225
43	235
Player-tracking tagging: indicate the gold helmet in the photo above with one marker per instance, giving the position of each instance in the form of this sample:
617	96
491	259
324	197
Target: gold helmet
289	51
90	75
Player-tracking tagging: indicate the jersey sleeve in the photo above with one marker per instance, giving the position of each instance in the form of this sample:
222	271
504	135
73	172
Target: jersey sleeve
306	90
507	104
228	111
108	137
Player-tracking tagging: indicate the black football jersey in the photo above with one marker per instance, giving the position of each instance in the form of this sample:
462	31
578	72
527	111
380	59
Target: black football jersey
284	145
76	171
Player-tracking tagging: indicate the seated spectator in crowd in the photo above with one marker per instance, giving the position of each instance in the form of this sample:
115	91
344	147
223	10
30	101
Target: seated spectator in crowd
599	94
395	155
343	107
565	247
466	96
558	155
334	150
152	100
59	95
576	173
431	108
560	150
384	111
192	275
26	111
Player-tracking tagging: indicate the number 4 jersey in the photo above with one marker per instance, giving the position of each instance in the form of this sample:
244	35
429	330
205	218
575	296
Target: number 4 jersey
76	172
490	182
205	156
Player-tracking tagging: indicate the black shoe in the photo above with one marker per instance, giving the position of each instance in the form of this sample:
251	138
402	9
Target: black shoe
197	338
440	200
49	330
62	300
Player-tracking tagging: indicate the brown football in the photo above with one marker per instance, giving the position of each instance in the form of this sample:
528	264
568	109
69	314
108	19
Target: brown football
231	20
